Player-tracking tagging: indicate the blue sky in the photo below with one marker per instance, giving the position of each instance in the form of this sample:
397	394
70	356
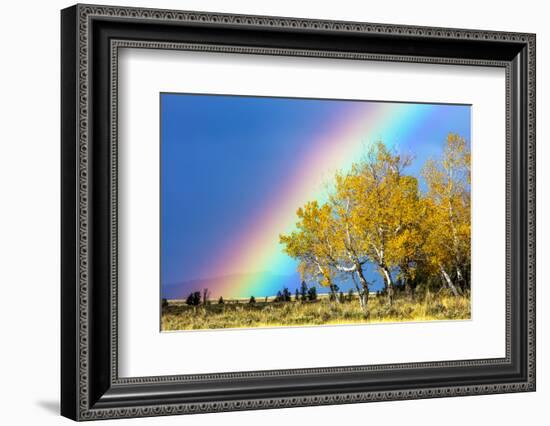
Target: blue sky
223	158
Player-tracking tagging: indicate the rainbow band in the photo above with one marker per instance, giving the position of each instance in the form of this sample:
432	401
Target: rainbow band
258	254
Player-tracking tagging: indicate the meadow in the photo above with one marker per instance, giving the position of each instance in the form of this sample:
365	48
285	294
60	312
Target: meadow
177	315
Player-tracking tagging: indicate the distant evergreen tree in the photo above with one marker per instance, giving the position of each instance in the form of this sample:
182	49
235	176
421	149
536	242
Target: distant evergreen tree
296	295
194	299
205	296
334	292
164	303
350	295
252	300
341	297
283	296
303	291
312	294
286	295
221	301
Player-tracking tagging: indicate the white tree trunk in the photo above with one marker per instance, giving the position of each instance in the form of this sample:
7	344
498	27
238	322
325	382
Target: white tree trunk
334	294
389	283
362	291
448	280
460	278
387	275
364	296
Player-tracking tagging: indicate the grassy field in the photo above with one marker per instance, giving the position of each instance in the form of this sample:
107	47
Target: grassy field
176	315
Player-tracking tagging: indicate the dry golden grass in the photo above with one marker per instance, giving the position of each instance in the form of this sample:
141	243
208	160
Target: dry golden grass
429	307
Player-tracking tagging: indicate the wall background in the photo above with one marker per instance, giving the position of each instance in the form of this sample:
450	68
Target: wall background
29	211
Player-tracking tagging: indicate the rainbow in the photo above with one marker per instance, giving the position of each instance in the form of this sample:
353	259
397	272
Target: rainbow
257	255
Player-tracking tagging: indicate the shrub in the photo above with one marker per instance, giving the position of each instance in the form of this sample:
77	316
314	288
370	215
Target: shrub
312	294
303	291
194	299
286	295
333	292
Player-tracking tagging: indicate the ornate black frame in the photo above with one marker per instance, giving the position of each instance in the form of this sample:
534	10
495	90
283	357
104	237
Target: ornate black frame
91	37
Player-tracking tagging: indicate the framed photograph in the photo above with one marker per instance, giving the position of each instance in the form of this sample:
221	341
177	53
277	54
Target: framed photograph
263	212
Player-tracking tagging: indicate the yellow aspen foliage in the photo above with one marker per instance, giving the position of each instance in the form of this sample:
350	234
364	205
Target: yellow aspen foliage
377	215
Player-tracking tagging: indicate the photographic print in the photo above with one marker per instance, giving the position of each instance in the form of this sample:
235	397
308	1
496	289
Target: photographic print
280	212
